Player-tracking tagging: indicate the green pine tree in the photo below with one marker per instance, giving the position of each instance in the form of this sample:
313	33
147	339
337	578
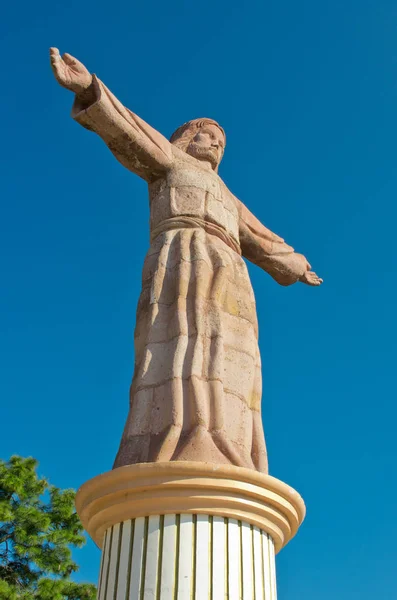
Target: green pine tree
38	528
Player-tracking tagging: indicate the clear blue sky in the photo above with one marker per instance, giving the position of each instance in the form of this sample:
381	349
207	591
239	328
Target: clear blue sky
307	93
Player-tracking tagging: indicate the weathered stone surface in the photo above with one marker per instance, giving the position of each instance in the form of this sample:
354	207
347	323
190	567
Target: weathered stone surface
197	387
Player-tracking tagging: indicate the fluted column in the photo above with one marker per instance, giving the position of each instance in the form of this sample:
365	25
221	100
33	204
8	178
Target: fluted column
186	556
183	531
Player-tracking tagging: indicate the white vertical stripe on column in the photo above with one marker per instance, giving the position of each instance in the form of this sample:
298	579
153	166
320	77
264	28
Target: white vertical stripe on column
258	565
234	559
137	556
218	558
266	566
113	563
103	555
185	574
247	561
106	552
202	558
168	563
152	556
125	558
272	561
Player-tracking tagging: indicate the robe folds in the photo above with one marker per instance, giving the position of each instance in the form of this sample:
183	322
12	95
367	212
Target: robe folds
197	385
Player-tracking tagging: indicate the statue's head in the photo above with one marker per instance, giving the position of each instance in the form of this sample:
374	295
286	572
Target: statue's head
202	138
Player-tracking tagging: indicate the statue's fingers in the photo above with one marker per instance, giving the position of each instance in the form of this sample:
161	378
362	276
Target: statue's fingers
57	63
54	56
313	278
70	60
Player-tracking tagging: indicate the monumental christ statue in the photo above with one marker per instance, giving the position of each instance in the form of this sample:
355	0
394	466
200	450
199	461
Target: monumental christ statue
197	385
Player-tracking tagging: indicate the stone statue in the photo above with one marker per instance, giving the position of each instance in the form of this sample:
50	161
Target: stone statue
196	390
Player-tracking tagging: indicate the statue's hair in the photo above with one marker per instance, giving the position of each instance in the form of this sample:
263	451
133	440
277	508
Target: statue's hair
184	134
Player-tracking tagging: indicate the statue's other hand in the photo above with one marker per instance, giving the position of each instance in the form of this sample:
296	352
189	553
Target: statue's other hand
311	278
70	72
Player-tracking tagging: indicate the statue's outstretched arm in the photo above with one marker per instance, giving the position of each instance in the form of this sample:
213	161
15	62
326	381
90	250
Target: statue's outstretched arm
269	251
138	146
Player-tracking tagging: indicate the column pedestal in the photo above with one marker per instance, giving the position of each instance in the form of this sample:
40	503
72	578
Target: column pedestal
187	530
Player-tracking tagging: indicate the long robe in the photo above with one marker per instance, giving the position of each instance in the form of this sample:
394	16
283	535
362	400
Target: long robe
197	386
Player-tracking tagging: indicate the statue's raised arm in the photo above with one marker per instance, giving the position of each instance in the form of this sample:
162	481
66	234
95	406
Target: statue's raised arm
138	146
269	251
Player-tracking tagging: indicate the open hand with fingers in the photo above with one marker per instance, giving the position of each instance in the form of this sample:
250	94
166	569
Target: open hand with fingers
311	278
70	72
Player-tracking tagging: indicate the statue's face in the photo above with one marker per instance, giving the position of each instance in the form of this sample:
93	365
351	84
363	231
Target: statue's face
208	145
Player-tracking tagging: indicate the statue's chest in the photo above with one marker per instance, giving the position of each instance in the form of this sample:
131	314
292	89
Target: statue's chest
196	193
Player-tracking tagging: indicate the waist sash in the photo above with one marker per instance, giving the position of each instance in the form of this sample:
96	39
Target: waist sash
184	222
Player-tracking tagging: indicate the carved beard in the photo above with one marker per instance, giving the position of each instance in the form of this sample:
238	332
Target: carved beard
204	153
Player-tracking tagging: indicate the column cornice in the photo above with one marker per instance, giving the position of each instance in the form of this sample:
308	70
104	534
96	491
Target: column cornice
147	489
